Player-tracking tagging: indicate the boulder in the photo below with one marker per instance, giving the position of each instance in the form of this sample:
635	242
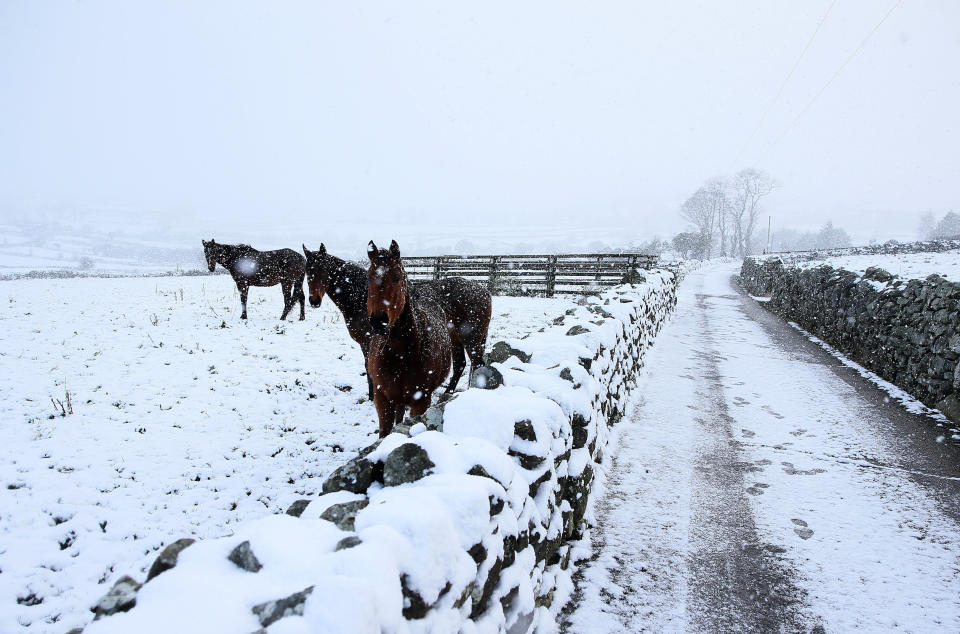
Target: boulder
407	463
297	508
168	557
501	351
348	542
242	556
486	378
344	514
272	611
355	476
122	597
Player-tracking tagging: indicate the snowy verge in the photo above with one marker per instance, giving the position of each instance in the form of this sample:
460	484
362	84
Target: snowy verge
906	331
461	521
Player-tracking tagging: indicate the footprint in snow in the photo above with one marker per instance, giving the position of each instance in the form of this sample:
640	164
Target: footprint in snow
757	488
803	532
747	433
770	411
789	469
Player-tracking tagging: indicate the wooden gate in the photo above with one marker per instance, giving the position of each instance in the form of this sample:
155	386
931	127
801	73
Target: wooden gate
542	275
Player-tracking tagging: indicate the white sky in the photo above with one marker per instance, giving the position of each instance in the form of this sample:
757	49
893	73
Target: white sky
555	115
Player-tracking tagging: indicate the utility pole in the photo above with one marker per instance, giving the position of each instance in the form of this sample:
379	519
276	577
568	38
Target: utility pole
769	224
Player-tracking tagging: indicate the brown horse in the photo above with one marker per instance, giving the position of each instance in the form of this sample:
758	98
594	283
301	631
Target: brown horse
410	349
467	306
250	267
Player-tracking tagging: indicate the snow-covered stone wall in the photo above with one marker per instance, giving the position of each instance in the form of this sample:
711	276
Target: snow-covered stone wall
461	521
906	331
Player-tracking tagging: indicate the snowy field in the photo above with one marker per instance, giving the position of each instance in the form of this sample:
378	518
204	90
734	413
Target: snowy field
904	265
184	421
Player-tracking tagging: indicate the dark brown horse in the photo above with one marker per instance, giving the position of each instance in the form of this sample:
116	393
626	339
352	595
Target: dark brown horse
409	354
346	284
250	267
467	306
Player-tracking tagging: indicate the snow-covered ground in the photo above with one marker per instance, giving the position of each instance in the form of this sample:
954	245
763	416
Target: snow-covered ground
758	486
904	265
185	422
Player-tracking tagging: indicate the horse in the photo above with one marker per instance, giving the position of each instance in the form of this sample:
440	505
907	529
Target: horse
250	267
346	284
410	349
467	306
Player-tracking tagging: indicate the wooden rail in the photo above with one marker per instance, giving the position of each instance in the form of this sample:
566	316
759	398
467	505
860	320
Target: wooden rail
544	275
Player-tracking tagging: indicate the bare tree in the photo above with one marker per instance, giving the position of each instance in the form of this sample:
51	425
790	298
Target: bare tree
749	186
720	203
927	226
698	211
948	227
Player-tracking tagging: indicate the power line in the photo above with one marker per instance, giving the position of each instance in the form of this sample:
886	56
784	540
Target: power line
835	75
784	83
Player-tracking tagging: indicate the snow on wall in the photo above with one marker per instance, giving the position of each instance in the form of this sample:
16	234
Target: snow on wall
889	248
459	521
911	260
907	331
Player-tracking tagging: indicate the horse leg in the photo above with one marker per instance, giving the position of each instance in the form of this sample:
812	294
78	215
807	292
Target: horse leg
298	292
475	352
475	342
369	378
243	299
287	300
398	416
459	363
420	406
385	412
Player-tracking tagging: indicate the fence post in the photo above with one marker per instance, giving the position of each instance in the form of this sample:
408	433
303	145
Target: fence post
436	268
492	280
599	264
551	274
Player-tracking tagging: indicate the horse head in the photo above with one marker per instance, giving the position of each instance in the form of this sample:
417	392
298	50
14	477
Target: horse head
386	287
318	273
211	252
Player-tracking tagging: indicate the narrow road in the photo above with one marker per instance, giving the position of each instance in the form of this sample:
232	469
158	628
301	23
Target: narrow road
764	486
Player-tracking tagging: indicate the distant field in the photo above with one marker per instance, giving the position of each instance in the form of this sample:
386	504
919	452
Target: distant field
185	421
24	250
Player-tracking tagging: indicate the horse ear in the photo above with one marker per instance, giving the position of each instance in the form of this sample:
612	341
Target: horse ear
395	250
204	242
306	252
323	248
372	251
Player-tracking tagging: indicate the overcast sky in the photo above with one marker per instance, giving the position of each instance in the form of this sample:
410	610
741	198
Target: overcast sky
536	114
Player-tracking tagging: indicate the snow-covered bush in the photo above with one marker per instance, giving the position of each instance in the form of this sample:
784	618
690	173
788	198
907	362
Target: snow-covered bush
461	520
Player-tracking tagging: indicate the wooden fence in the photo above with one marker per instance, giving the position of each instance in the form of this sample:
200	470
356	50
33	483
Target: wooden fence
544	275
